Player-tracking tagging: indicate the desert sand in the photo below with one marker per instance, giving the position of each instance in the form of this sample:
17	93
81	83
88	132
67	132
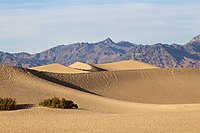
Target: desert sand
118	100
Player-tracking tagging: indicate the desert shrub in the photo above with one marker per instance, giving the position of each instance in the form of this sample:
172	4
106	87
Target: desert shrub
7	104
57	103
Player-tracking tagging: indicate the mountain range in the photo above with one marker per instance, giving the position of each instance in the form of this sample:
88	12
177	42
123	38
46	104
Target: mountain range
162	55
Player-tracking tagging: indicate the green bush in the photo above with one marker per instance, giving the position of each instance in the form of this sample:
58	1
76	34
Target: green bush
57	103
7	104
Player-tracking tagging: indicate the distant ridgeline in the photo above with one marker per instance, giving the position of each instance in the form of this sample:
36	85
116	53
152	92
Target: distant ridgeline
107	51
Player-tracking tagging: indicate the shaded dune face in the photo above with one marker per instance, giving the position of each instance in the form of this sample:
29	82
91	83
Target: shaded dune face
144	86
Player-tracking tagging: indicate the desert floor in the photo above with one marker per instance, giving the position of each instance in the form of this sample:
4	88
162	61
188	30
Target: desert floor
119	97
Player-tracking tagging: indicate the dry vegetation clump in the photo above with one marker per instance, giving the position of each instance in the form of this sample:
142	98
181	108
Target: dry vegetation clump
57	103
7	104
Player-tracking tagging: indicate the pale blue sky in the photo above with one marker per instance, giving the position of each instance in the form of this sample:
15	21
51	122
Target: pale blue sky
35	25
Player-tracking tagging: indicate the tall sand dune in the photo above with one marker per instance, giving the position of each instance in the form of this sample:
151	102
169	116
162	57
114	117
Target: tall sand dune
124	65
57	68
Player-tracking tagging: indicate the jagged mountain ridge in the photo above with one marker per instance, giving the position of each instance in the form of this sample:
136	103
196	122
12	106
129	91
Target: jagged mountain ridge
163	55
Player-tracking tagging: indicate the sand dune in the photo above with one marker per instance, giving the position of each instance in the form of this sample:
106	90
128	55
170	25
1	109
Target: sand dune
142	86
57	68
124	65
145	100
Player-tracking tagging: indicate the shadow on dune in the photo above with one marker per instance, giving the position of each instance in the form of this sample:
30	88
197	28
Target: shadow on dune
57	81
23	106
98	68
94	69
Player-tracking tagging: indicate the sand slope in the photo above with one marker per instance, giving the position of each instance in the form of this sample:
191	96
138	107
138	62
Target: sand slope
124	65
57	68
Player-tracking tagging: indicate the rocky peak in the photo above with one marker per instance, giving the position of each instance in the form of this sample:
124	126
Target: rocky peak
107	41
195	39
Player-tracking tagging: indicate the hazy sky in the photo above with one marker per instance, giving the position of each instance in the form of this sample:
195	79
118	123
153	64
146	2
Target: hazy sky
36	25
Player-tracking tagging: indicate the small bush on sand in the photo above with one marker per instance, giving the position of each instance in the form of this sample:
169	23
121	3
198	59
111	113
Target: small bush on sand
57	103
7	104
